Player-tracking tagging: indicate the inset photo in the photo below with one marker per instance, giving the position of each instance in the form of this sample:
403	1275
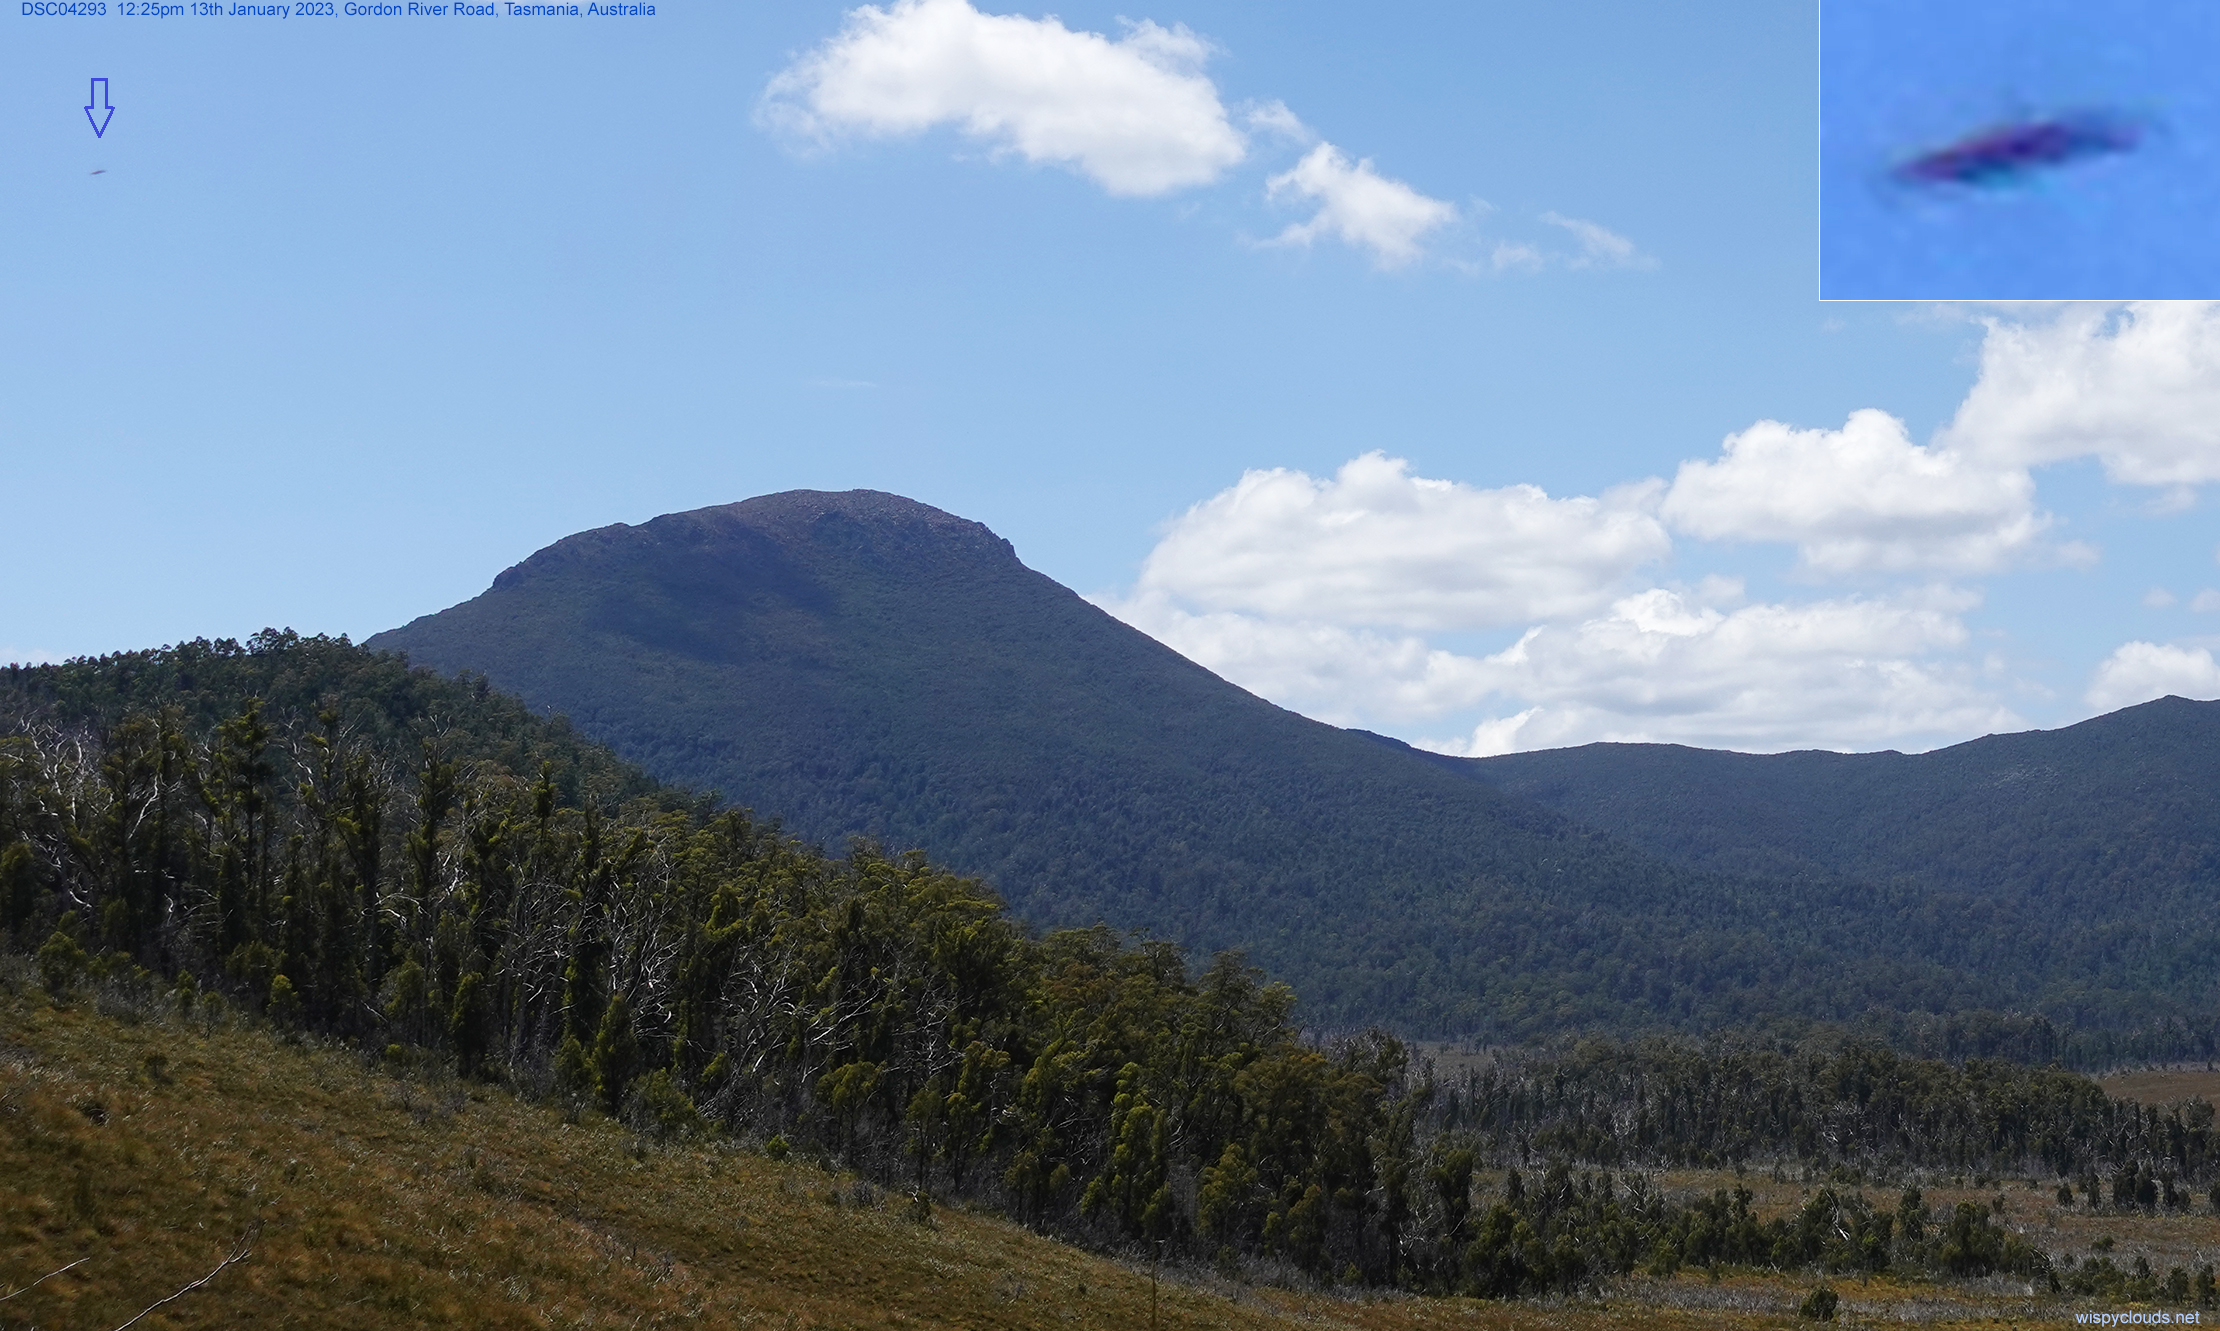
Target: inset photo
2018	150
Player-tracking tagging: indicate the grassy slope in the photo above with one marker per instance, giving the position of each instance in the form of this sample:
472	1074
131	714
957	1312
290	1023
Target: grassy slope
386	1201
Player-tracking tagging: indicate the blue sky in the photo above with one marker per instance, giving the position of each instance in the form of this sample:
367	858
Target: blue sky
360	311
1903	77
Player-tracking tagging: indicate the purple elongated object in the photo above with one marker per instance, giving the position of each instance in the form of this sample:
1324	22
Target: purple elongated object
2009	154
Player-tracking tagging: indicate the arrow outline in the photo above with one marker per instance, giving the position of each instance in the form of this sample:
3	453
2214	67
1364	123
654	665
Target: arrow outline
99	98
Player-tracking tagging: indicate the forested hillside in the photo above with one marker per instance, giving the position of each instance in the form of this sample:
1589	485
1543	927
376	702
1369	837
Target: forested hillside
859	663
2090	813
865	665
346	847
2095	847
306	835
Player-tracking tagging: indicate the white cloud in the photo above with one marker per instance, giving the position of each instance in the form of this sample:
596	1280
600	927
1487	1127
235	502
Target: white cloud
1322	594
1358	205
1600	247
2141	671
1136	115
1664	667
2173	499
1863	497
2136	386
27	656
1275	119
1376	545
1332	673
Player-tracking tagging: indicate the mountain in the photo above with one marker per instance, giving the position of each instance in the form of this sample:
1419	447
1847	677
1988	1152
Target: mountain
2116	803
861	664
2101	839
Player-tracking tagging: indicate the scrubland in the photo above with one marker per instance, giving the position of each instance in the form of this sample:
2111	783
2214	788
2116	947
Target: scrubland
139	1148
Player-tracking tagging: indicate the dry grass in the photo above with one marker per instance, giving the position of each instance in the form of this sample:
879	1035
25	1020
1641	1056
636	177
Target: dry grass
144	1150
2163	1086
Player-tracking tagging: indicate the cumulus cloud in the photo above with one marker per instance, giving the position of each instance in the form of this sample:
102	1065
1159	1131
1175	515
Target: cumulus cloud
1136	115
1329	672
1358	205
2136	386
1661	665
1322	594
1864	497
1375	545
2141	671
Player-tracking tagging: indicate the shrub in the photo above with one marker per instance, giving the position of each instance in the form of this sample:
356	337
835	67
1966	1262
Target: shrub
657	1108
285	1003
62	962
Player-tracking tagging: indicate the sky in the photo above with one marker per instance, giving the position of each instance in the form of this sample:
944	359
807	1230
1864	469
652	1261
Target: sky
1453	371
2123	212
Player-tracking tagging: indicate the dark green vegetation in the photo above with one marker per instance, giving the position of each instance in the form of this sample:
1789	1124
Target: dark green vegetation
2077	867
1567	1229
859	663
317	836
1853	1114
2106	808
1850	1109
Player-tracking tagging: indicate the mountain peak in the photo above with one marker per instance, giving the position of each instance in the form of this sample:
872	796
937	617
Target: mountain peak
810	506
872	524
847	516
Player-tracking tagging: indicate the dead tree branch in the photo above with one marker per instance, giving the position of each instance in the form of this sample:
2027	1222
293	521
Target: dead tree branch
42	1280
239	1254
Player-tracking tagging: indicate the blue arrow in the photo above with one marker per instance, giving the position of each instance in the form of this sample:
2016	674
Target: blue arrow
99	103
